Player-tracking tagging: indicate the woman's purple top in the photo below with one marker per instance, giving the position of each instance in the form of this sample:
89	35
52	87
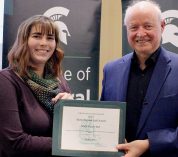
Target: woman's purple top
25	126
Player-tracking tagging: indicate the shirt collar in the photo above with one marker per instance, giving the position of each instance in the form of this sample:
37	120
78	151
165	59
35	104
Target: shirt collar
151	60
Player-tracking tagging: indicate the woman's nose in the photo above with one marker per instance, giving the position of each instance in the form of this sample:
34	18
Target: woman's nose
43	41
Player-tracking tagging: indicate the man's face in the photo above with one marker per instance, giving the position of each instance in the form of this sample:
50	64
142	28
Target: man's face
144	30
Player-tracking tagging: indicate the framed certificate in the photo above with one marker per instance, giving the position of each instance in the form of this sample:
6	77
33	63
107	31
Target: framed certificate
88	128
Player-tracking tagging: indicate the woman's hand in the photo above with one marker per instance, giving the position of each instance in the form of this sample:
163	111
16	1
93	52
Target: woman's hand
62	96
135	148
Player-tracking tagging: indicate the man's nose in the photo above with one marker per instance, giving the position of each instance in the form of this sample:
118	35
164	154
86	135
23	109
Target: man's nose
140	32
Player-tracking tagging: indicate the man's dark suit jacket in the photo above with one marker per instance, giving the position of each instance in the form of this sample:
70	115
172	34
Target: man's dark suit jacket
159	116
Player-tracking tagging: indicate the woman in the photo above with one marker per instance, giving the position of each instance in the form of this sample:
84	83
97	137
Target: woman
29	88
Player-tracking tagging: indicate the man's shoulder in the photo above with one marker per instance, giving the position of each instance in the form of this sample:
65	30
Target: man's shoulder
172	56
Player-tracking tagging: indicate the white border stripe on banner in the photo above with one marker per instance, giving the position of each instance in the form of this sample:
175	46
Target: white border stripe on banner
1	29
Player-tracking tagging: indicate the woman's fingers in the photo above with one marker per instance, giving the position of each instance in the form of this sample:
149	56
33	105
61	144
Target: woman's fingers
62	96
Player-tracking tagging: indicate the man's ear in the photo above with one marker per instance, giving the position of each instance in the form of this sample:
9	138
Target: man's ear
163	24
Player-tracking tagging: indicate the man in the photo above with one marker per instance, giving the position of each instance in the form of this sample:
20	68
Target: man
147	79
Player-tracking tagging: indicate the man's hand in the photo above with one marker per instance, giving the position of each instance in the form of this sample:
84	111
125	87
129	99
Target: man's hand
135	148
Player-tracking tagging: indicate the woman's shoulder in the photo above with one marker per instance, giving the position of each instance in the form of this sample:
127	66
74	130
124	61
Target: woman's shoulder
9	75
9	80
5	72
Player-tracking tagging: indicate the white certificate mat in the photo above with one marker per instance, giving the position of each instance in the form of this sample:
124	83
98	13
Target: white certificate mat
88	128
91	129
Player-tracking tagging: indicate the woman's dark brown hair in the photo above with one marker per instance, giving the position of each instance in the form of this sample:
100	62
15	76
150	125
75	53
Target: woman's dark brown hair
19	56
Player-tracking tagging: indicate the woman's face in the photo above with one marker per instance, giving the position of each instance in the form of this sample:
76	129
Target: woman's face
41	47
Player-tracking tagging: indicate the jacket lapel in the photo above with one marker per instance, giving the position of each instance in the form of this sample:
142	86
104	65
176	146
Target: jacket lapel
159	75
123	76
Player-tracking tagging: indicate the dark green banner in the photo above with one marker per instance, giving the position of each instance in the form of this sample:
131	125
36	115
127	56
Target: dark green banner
79	22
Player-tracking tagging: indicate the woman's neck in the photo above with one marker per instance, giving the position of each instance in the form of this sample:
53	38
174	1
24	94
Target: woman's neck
39	71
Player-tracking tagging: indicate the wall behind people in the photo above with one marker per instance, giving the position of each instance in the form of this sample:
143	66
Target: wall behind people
111	30
111	34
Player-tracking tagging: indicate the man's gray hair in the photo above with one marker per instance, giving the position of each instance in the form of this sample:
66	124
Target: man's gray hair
139	3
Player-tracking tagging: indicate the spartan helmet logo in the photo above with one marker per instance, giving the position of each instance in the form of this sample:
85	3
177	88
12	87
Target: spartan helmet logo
170	33
56	13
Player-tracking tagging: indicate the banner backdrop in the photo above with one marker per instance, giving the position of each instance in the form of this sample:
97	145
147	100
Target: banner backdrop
170	34
79	22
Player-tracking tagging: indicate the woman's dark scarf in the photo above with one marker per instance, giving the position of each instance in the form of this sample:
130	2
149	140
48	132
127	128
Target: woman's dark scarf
44	88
